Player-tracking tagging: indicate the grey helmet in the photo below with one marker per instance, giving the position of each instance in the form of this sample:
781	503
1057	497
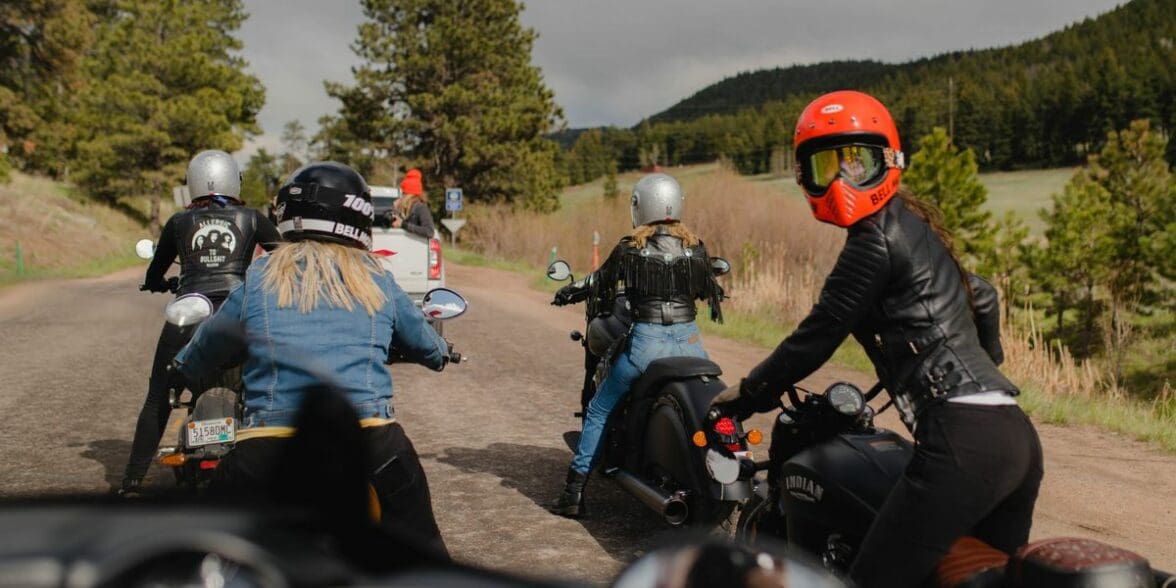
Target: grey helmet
214	172
656	198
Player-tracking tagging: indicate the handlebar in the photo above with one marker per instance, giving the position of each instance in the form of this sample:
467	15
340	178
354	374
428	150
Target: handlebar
793	397
172	283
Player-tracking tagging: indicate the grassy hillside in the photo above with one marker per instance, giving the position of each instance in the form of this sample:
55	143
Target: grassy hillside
61	234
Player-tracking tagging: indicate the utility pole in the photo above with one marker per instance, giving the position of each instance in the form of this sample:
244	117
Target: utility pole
951	109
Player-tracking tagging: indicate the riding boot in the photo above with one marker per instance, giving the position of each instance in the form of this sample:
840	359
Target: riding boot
571	501
129	487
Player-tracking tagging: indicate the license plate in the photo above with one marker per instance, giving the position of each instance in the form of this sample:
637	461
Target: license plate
211	431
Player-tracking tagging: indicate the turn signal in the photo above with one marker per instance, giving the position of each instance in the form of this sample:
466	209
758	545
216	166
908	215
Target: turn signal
699	439
754	436
173	460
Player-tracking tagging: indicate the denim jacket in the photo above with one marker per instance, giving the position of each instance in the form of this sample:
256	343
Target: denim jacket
287	351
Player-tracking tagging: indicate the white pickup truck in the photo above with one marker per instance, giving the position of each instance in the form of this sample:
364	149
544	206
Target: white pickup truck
415	262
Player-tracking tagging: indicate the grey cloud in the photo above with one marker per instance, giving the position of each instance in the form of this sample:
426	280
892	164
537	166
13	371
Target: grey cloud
617	61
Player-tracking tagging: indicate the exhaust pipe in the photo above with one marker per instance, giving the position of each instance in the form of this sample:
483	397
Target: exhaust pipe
672	507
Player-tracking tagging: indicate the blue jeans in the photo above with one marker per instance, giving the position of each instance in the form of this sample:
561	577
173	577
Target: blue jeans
647	342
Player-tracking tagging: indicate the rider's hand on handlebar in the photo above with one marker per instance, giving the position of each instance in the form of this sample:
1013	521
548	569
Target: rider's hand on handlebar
175	379
744	402
563	296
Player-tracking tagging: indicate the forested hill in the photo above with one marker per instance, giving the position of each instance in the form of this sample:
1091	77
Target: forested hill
1134	29
755	88
1045	102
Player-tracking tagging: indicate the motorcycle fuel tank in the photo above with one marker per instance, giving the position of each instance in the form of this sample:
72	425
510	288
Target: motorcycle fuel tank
834	489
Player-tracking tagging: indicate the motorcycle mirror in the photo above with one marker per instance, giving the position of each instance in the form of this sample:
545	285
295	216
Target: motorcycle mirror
559	270
720	266
442	304
145	249
189	309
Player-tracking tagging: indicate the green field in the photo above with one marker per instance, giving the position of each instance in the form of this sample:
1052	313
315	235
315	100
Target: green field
1025	192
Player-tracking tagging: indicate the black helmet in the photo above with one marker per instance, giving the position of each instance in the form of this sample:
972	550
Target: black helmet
326	201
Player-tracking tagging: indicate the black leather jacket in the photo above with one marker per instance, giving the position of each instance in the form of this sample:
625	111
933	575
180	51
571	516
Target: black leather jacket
661	280
896	289
215	245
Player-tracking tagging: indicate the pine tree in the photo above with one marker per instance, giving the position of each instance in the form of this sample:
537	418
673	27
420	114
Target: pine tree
164	82
296	144
450	86
261	178
611	191
1078	253
942	174
41	46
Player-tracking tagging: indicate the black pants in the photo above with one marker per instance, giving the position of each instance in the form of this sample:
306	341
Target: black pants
406	507
156	410
976	471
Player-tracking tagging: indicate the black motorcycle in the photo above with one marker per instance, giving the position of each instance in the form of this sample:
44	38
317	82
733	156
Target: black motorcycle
212	409
208	429
663	444
831	470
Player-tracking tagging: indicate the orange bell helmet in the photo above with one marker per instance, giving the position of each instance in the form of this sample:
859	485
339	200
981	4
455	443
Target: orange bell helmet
848	157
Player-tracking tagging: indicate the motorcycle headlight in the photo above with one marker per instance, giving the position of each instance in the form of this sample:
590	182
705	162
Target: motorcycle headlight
846	399
189	309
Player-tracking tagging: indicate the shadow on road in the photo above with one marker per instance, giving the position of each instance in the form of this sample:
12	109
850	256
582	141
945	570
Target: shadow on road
112	454
622	527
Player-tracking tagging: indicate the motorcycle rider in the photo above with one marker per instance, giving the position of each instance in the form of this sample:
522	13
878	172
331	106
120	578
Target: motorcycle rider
214	237
664	269
932	332
321	302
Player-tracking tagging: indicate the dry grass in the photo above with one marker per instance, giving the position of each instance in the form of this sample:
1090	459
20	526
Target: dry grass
60	235
780	255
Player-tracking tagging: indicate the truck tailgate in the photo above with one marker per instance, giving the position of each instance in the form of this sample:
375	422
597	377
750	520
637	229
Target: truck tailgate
410	260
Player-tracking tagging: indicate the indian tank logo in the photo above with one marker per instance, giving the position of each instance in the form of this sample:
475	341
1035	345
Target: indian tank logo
832	109
214	241
803	488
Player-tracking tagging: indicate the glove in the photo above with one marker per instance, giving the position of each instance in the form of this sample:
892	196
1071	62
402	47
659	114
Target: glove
563	296
175	379
745	400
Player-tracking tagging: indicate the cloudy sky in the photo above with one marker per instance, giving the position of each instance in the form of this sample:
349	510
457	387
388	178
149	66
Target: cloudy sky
614	62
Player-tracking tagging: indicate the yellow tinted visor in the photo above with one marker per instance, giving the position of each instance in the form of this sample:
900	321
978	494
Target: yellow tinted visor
857	164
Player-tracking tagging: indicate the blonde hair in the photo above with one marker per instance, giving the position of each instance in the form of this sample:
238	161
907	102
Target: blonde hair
304	271
642	234
406	202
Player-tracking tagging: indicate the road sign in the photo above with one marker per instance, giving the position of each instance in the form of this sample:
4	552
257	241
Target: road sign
454	225
453	199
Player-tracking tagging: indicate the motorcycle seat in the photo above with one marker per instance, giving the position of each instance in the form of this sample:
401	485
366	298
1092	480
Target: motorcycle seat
672	368
1065	562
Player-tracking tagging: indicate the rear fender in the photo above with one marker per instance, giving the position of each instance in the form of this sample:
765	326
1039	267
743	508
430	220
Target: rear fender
678	411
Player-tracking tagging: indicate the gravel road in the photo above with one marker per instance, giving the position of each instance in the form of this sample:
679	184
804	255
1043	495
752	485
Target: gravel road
75	355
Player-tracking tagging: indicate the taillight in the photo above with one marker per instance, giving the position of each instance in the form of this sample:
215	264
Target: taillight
209	464
725	427
434	259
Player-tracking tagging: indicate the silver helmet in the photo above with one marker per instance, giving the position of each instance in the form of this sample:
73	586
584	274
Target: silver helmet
656	198
214	172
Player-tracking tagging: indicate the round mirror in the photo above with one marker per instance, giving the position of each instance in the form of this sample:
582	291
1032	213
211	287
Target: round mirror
145	249
189	309
441	304
720	266
559	270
